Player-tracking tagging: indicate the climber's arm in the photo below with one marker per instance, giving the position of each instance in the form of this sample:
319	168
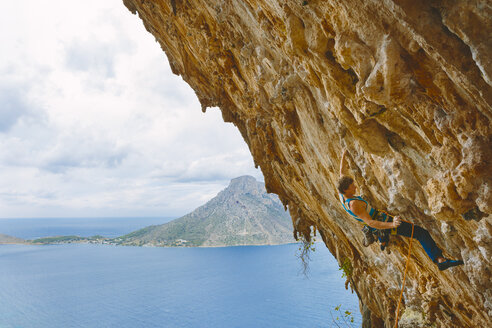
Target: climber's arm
359	209
343	164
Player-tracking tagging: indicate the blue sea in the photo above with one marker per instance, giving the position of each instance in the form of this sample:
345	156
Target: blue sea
82	285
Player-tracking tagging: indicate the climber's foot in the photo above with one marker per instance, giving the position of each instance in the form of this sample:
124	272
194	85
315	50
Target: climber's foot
448	264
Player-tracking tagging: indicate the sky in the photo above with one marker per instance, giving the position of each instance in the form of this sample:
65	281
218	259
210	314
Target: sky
94	124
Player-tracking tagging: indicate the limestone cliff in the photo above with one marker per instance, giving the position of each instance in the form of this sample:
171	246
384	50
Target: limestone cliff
405	85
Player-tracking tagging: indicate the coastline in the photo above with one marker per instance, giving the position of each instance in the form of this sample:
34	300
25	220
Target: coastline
111	241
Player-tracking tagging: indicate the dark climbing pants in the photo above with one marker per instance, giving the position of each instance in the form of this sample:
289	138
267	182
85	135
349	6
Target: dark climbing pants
405	229
423	236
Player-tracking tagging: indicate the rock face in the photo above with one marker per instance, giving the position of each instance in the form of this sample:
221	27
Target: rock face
241	214
404	85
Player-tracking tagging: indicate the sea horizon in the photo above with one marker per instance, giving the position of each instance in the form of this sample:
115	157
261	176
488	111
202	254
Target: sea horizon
110	227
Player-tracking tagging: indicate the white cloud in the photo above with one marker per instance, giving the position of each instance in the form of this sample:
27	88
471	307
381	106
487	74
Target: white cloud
12	107
93	123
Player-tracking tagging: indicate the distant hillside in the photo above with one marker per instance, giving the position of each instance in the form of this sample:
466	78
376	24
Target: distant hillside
6	239
241	214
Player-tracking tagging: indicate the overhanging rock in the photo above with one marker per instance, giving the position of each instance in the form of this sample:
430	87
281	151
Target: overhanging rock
404	85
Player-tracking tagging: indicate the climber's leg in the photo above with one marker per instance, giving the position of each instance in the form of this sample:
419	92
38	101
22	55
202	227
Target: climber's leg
423	236
429	245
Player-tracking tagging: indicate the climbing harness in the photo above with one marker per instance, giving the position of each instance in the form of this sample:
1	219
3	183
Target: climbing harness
404	274
384	234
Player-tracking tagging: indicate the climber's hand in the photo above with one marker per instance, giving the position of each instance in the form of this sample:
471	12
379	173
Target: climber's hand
396	221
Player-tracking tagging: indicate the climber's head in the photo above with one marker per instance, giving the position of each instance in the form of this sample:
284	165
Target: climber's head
346	184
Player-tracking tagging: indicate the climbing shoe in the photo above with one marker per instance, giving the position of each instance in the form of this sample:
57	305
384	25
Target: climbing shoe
448	264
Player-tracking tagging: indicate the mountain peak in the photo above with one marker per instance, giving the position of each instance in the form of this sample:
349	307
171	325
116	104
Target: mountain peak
241	214
245	184
243	178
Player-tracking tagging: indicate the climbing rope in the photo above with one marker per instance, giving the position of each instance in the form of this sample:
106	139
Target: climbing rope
404	275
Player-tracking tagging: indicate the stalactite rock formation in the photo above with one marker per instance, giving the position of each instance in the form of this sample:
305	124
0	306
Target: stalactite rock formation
405	86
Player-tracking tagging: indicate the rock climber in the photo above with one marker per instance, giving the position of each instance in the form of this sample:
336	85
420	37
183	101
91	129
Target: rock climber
383	224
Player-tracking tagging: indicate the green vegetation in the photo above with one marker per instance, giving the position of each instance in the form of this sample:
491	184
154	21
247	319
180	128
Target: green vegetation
97	237
68	239
138	233
347	268
346	319
58	239
306	246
